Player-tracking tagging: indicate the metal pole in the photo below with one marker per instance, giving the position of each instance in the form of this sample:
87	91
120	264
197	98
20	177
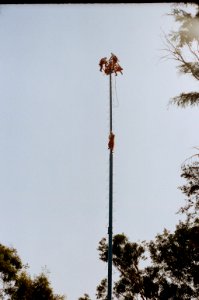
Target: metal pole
110	228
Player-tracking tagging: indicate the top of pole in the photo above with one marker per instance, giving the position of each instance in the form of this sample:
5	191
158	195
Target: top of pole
111	65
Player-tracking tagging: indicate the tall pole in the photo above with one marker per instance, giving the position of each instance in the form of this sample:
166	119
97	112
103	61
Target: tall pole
110	66
110	228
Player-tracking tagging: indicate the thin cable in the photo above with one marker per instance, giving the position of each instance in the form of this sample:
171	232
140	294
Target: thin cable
117	101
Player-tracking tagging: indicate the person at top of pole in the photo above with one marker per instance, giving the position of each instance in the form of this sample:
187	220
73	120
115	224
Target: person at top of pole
102	63
118	68
111	65
114	58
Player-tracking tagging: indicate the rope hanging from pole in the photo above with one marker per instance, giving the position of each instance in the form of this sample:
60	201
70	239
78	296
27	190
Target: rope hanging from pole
115	103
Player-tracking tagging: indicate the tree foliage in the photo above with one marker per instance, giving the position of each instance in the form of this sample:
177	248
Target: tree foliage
85	297
17	284
182	45
173	258
190	172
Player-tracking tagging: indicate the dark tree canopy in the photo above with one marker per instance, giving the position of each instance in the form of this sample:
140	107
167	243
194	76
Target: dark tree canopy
172	272
171	260
16	283
190	172
85	297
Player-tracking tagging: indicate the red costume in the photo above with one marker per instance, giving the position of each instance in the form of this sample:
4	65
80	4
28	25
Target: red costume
117	68
111	65
111	141
102	63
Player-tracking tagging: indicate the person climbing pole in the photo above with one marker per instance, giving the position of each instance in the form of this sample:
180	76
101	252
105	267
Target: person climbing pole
111	141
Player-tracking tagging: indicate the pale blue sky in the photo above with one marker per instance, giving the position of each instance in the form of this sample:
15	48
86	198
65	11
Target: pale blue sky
54	134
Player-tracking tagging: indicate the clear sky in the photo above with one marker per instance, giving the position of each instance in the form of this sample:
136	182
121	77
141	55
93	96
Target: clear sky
54	134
